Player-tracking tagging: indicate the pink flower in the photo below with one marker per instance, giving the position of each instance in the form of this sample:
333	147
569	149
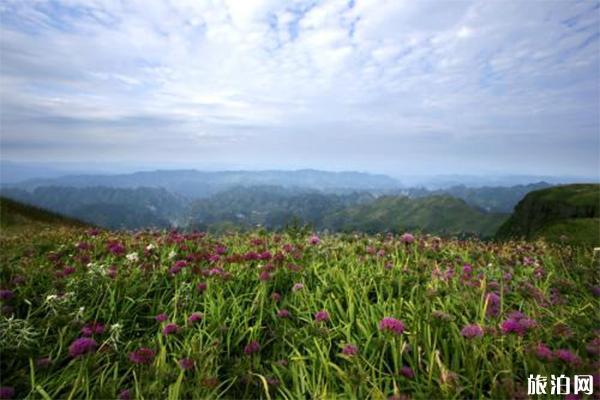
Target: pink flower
314	240
186	363
195	317
92	328
170	329
543	352
143	355
297	287
161	317
407	238
407	372
321	316
283	313
201	287
82	346
471	331
567	356
350	350
252	347
392	325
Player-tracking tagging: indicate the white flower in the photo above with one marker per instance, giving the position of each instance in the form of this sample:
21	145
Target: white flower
172	254
51	297
151	246
116	327
133	257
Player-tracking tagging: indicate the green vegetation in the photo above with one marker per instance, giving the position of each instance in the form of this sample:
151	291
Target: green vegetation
263	315
15	216
568	213
441	215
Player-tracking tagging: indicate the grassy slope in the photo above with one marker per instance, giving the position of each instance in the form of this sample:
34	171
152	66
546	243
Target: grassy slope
435	214
21	219
571	212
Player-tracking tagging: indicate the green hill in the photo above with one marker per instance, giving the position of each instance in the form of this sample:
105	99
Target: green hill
443	215
16	215
568	213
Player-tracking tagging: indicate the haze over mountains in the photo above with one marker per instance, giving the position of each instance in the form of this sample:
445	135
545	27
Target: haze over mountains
222	200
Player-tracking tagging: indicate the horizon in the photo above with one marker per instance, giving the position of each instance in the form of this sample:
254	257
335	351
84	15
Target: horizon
461	88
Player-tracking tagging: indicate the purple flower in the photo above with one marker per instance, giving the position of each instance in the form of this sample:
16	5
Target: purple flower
297	287
6	294
143	355
7	392
125	394
407	238
392	324
567	356
276	297
350	350
467	269
264	276
492	304
593	347
68	271
283	313
92	328
471	331
407	372
43	362
314	240
186	363
170	329
543	352
512	326
161	317
195	317
517	323
81	346
252	347
321	316
201	287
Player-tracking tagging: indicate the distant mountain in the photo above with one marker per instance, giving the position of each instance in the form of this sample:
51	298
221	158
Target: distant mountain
198	184
499	199
109	207
273	207
568	213
14	214
442	215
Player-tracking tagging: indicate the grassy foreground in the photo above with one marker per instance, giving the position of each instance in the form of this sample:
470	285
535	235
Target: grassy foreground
88	314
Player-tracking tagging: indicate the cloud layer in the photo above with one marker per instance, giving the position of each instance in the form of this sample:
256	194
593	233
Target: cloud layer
393	86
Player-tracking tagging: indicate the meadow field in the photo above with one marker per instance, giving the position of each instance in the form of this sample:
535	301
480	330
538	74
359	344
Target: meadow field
97	314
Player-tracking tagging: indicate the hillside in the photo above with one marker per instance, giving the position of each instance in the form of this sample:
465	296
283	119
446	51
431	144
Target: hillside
443	215
568	213
16	215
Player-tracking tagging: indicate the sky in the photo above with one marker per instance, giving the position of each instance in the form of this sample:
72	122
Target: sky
399	87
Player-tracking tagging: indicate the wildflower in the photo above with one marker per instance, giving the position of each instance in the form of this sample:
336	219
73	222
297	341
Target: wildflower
314	240
567	356
195	317
492	304
150	247
92	328
186	363
81	346
68	271
161	317
276	297
350	350
441	315
132	257
517	323
264	276
407	238
125	394
467	269
7	392
201	287
407	372
471	331
297	287
170	329
172	254
43	362
593	347
283	313
143	355
543	352
321	316
252	347
392	324
6	294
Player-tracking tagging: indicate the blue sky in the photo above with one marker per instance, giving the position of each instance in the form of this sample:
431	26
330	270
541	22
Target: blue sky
386	86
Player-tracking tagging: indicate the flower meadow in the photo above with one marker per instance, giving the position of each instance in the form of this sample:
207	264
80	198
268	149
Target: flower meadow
167	315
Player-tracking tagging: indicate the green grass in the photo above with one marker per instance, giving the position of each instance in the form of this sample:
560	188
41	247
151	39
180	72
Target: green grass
346	275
